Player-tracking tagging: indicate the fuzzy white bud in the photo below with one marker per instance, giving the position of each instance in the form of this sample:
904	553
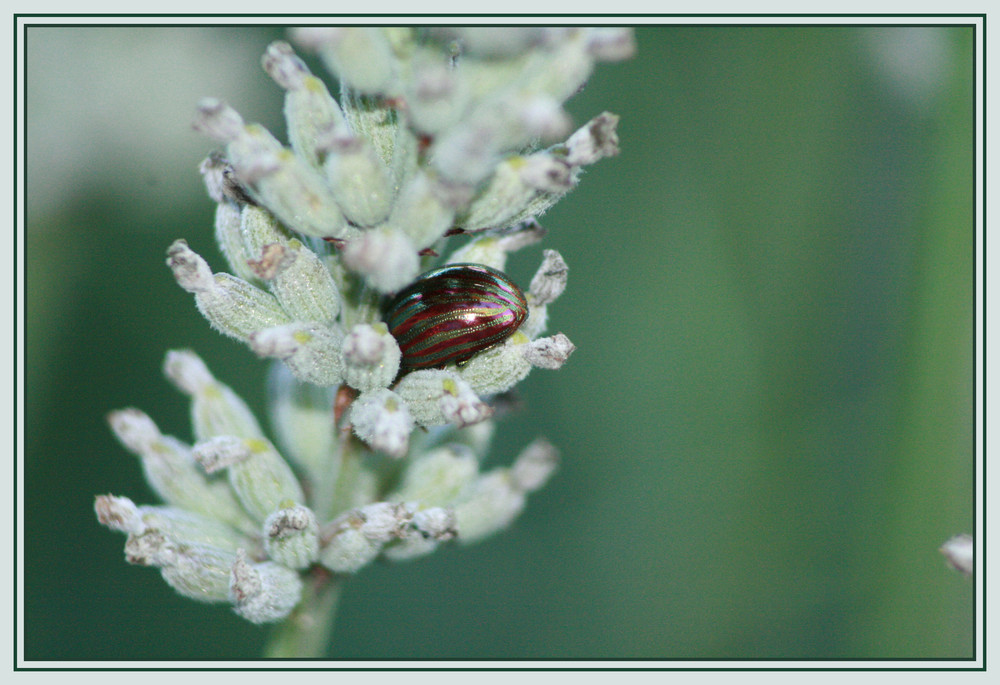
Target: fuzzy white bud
549	281
594	141
358	179
215	408
489	506
171	470
218	120
498	369
265	592
118	513
291	537
386	258
549	353
197	572
437	396
370	357
361	57
383	521
300	414
259	476
381	419
230	304
349	551
438	477
284	183
535	465
301	282
437	523
310	350
423	210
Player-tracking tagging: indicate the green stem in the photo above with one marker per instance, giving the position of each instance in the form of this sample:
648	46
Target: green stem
306	632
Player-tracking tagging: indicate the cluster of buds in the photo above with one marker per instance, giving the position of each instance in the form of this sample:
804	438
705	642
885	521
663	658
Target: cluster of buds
437	133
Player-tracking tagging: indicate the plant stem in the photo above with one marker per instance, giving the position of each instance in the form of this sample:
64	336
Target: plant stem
306	632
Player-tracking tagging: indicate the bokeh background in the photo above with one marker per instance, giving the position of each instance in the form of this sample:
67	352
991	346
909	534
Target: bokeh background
766	429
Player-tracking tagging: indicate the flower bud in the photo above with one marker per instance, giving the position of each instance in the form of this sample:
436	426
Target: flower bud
422	211
545	172
548	284
381	419
265	592
549	353
301	283
188	528
349	551
563	69
438	477
212	170
221	182
260	477
274	176
190	271
358	178
490	506
361	57
534	466
498	369
197	572
310	351
436	396
541	118
229	237
516	190
383	521
386	258
300	414
218	120
461	406
180	526
172	472
310	111
436	523
230	304
259	228
373	119
292	191
218	177
370	356
292	537
594	141
118	513
549	281
466	153
215	408
150	547
428	528
359	536
436	97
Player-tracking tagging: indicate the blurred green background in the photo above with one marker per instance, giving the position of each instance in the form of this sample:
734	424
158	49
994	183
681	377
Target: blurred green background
766	428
